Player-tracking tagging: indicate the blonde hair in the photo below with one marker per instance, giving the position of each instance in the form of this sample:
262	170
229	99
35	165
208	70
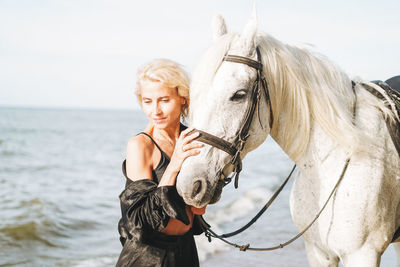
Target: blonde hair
167	72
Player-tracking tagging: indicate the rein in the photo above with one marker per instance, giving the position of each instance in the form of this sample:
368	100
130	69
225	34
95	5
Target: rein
261	212
210	233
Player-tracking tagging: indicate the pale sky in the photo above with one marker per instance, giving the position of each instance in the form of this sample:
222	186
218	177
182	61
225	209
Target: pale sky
84	53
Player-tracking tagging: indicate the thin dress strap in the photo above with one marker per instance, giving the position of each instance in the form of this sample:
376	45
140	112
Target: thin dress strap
158	171
151	138
181	128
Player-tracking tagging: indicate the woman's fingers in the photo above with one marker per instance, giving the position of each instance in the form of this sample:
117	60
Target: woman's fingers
190	149
185	147
190	137
192	152
191	146
186	132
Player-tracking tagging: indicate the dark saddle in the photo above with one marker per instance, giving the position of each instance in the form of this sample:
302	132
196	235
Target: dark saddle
394	82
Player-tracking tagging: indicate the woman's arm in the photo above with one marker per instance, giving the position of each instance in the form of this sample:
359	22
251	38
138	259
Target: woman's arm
143	203
139	153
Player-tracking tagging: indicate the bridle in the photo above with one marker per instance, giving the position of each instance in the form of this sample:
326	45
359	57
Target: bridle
235	148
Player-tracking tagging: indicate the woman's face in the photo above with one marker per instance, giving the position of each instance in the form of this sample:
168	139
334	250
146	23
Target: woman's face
162	105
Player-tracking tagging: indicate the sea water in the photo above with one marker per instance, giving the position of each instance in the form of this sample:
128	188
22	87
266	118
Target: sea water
60	178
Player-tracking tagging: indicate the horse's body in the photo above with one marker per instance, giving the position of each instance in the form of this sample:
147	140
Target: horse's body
358	223
315	124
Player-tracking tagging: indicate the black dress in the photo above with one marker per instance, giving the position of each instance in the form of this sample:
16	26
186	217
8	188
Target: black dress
146	209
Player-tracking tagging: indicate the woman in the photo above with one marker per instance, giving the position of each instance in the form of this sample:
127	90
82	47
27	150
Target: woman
157	227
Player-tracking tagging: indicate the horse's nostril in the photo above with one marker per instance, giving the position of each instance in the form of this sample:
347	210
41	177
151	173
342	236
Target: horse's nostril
196	188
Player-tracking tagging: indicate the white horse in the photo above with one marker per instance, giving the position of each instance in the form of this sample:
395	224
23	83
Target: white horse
313	103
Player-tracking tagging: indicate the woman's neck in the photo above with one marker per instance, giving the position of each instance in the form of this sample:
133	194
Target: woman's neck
169	134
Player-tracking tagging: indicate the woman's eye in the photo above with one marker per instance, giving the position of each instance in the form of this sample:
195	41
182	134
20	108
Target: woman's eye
238	95
165	100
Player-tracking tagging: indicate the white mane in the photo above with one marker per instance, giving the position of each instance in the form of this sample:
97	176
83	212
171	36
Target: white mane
307	87
304	86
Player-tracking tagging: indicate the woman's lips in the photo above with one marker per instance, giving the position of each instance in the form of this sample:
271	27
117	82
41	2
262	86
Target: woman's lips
158	120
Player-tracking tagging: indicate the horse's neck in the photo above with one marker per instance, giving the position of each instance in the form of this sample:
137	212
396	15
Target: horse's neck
320	151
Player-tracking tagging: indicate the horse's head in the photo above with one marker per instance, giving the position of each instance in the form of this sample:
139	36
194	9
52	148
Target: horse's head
221	94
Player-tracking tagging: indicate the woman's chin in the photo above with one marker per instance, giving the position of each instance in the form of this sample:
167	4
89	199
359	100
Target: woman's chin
161	125
165	123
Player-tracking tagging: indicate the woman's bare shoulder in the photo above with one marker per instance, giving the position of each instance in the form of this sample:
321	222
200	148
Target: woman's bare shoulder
140	143
139	153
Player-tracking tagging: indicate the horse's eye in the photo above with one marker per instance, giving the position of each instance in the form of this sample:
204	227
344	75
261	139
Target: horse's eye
239	95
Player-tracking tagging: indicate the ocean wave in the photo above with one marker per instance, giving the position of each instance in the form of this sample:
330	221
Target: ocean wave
77	224
40	221
59	189
240	206
32	231
231	212
206	248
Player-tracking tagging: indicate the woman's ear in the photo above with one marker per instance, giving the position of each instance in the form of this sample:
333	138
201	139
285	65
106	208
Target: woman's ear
184	106
183	103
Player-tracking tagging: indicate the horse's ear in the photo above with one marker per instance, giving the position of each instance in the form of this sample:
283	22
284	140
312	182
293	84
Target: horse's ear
248	35
218	26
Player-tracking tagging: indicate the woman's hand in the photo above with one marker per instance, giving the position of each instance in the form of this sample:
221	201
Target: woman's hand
184	148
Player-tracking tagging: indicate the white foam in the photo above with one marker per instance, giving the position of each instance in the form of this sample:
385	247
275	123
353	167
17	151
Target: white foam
206	248
238	208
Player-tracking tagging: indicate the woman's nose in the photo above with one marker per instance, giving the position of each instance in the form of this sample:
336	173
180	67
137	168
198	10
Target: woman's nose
156	108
